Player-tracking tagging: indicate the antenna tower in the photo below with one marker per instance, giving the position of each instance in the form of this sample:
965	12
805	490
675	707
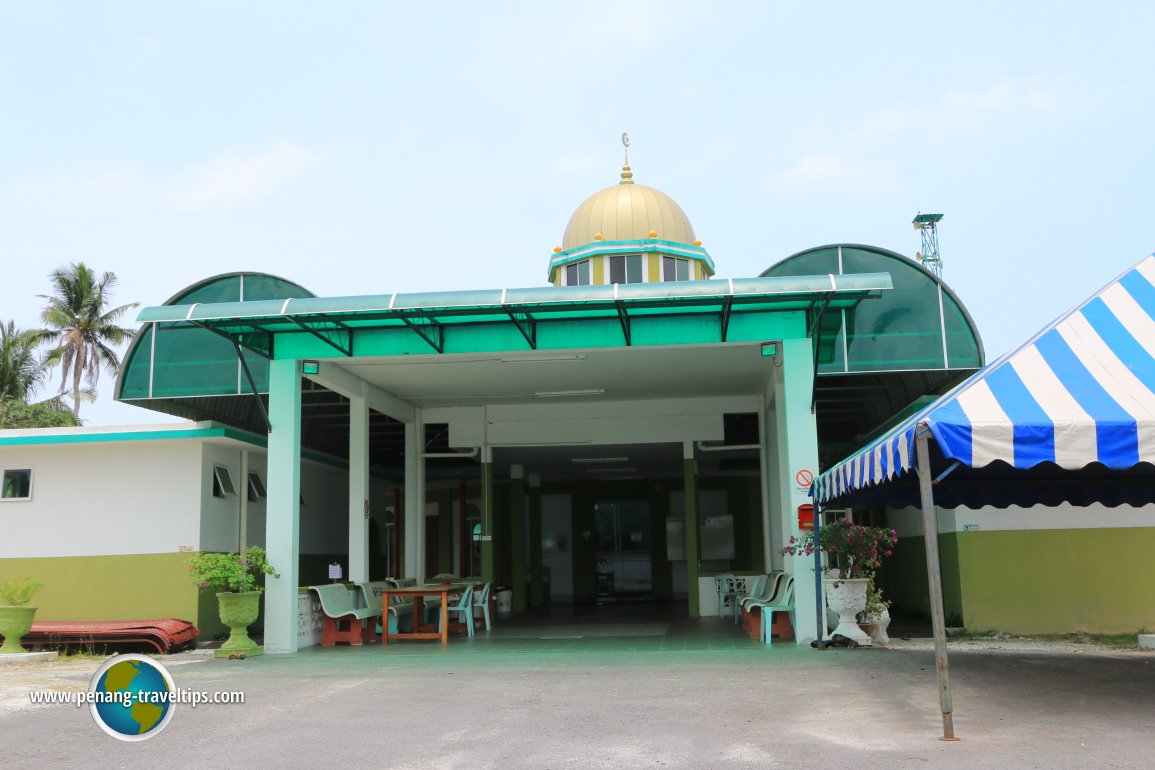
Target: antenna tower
927	225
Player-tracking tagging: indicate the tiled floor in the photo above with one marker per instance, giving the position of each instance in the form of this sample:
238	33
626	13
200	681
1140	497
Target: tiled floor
647	628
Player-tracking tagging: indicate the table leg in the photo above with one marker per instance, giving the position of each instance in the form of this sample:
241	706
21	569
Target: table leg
444	617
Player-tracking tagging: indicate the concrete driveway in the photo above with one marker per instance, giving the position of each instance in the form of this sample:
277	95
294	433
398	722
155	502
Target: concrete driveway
416	706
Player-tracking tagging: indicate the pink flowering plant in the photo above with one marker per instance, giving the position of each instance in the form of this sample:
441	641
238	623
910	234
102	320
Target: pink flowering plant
856	551
237	572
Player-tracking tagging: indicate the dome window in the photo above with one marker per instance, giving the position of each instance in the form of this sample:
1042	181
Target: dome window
674	269
578	273
626	268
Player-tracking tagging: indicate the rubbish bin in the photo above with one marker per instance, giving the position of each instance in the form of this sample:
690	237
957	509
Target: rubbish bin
505	601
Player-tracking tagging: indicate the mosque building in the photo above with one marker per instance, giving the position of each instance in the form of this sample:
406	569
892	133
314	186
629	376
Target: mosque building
623	434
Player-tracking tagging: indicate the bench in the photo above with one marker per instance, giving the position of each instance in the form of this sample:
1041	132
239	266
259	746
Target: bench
343	621
400	607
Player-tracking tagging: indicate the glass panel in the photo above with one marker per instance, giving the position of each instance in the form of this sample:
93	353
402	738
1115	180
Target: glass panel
669	269
194	362
223	290
902	329
571	278
622	547
270	287
584	273
136	367
816	262
17	484
634	268
683	269
617	269
962	345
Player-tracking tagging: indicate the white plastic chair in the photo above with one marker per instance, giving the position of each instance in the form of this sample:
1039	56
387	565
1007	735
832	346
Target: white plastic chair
481	602
727	589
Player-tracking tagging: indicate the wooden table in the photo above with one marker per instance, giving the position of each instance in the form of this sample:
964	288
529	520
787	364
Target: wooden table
421	630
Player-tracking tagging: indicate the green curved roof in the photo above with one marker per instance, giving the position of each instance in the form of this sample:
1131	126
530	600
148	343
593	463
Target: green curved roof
919	325
197	362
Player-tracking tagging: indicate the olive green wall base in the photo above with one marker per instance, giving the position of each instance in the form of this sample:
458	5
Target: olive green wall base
89	588
1035	581
1058	581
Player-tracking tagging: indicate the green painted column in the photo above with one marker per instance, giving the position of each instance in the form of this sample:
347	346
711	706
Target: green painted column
517	535
488	568
690	486
536	595
445	531
283	506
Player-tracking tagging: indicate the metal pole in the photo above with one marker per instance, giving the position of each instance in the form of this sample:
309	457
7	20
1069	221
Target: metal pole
934	577
820	612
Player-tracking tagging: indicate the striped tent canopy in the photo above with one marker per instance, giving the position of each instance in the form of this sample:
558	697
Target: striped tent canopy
1068	416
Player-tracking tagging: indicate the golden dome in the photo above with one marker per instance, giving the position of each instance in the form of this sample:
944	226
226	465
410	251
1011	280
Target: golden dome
627	212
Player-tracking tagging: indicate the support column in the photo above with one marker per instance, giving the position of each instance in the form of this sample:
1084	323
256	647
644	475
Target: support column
283	509
517	534
414	502
536	594
358	489
488	568
690	496
797	450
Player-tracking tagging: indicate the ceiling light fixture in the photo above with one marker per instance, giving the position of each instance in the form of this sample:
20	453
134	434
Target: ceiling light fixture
611	470
565	393
600	460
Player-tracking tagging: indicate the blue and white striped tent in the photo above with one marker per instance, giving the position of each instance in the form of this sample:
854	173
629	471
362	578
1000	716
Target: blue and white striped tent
1069	415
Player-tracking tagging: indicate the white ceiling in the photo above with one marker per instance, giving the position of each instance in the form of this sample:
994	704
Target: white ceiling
623	373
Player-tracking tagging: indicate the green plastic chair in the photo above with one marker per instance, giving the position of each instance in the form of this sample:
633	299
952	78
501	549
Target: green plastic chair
481	602
464	607
782	603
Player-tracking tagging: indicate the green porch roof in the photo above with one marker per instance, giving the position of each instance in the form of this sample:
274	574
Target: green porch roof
432	316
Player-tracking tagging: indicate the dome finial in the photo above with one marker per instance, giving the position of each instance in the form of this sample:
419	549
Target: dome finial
627	175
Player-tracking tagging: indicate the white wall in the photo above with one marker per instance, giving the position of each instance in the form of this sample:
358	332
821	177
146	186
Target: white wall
103	498
908	521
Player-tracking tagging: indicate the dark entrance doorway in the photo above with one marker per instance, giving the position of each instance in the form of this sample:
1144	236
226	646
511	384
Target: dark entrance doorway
622	557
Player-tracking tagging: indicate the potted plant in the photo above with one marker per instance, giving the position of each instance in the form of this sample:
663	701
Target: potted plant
15	616
875	617
853	553
238	580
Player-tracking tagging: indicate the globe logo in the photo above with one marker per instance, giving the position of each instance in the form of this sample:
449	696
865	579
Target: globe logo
131	697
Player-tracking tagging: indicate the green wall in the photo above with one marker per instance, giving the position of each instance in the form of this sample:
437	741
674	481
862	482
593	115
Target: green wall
90	588
1059	581
1035	581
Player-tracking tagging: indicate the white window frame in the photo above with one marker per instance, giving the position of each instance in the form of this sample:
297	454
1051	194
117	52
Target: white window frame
577	266
31	477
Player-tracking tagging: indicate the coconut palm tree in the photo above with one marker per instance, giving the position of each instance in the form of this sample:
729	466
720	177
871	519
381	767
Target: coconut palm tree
22	368
82	328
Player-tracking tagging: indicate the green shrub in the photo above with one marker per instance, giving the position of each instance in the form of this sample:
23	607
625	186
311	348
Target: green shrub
19	590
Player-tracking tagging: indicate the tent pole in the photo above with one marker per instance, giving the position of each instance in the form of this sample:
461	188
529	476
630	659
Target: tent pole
934	576
820	612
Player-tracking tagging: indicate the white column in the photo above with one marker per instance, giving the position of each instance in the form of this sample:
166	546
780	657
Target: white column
283	512
415	500
797	449
358	489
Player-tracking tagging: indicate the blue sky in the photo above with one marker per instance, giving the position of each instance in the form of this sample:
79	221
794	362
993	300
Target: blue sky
361	147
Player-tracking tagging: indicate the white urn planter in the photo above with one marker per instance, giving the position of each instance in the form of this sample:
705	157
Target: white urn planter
875	626
847	597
